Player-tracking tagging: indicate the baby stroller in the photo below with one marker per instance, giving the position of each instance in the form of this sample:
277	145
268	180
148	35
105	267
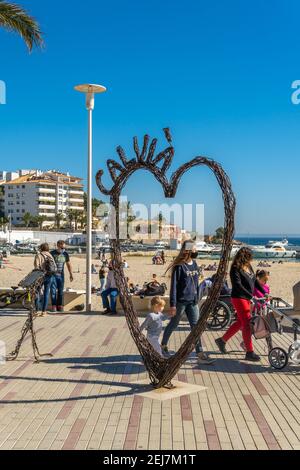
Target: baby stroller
268	318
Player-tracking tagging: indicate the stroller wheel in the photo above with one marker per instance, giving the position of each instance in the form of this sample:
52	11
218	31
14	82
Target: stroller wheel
278	358
220	317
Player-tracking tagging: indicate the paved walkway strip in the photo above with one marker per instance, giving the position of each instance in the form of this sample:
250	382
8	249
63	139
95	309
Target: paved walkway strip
83	397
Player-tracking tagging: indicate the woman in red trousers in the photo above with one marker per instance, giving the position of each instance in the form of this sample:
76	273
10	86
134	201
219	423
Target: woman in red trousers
243	282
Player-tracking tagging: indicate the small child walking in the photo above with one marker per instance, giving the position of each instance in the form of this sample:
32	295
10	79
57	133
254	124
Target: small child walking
154	322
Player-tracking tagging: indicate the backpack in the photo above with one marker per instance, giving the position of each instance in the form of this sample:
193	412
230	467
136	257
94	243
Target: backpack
49	265
153	289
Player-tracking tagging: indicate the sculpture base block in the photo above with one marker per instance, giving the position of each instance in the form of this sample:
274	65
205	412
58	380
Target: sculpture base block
162	394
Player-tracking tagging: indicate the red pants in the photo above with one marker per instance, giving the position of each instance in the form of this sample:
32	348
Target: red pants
243	310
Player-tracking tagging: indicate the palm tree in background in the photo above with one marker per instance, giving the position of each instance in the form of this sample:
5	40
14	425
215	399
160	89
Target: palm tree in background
82	220
131	217
77	215
4	221
161	221
74	216
59	217
16	19
27	218
70	217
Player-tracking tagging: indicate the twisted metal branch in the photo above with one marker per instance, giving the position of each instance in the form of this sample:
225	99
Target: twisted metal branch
32	285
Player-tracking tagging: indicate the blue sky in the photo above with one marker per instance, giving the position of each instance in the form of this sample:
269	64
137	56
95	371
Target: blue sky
218	73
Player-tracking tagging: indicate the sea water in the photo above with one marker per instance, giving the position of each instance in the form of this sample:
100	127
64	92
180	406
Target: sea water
263	240
294	244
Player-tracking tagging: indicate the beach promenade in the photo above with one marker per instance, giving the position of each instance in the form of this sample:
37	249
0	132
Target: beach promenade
85	396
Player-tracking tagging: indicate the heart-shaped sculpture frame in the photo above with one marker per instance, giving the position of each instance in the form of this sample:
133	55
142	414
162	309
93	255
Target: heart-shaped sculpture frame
162	371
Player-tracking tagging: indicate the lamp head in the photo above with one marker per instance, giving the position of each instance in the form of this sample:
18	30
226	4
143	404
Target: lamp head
90	89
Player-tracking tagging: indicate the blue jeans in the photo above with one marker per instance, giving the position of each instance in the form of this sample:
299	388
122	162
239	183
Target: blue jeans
102	284
192	312
42	301
112	294
57	290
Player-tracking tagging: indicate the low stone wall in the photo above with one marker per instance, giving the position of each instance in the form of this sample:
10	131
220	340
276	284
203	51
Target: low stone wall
71	298
143	306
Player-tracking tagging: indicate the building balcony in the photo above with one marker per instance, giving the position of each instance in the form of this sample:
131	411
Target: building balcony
47	190
47	200
76	208
74	191
47	214
47	197
71	199
47	206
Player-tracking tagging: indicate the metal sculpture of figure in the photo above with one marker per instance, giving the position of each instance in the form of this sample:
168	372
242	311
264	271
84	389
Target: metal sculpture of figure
162	371
32	285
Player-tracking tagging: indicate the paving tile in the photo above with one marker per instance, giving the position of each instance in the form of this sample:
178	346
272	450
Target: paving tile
82	397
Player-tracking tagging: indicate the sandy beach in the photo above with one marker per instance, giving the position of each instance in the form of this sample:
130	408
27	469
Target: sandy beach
282	279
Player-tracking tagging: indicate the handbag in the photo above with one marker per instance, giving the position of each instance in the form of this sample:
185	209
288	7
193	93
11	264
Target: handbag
271	322
259	327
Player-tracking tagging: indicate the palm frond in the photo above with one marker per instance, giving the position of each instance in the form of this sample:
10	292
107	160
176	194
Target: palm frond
15	18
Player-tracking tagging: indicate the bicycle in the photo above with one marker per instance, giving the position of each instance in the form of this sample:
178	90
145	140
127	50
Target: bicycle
9	299
31	285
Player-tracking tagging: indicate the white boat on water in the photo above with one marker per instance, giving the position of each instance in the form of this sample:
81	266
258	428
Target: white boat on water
215	250
26	248
204	248
274	249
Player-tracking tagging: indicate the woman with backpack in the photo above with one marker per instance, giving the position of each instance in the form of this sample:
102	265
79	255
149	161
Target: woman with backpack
184	297
44	261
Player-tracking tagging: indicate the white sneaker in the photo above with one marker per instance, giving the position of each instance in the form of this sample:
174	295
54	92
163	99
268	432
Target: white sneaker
204	359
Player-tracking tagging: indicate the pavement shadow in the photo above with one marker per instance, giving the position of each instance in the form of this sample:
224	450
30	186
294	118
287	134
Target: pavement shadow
114	365
116	389
240	367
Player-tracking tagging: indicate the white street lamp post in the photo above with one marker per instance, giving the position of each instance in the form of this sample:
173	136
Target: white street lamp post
89	90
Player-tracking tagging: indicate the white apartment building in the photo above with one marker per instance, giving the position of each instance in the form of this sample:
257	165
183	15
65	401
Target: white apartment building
1	197
42	194
7	176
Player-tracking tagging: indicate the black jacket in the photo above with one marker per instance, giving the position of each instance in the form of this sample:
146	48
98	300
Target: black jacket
243	284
